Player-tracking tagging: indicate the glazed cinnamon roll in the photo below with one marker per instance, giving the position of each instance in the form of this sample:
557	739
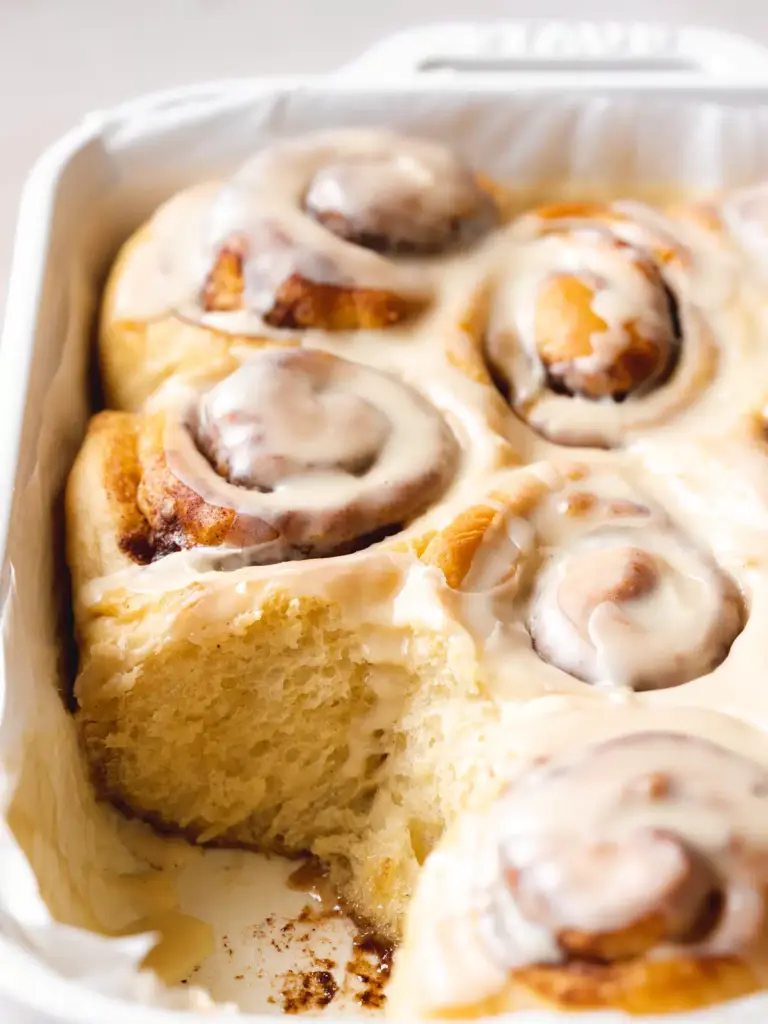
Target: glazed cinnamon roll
577	567
232	593
630	875
333	231
601	324
297	454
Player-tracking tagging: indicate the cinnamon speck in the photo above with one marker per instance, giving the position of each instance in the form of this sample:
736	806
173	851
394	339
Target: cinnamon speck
307	990
371	963
318	979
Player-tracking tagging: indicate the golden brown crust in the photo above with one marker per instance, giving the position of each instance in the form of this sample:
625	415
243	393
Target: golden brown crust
122	478
572	210
662	986
635	940
138	509
301	303
179	517
565	324
664	251
704	213
628	983
224	286
106	530
138	356
454	547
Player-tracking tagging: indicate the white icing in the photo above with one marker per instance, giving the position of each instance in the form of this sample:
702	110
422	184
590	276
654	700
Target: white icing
268	423
642	822
627	281
412	190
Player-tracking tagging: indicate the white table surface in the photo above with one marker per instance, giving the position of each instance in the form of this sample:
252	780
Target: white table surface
61	58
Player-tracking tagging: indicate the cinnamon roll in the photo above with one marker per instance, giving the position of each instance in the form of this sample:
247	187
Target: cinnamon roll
333	231
631	874
577	567
297	454
227	568
602	324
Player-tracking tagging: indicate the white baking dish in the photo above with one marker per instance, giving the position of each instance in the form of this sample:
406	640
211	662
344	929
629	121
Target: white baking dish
85	194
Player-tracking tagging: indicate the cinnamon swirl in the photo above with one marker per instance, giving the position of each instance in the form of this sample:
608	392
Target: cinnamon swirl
297	454
574	565
630	874
333	231
608	321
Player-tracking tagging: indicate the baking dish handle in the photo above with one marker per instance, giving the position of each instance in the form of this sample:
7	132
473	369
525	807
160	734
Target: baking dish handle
548	47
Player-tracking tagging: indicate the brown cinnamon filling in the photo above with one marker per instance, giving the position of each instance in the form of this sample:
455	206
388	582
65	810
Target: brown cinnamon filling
615	575
314	295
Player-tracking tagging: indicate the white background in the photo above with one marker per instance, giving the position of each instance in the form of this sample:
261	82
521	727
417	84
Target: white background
61	58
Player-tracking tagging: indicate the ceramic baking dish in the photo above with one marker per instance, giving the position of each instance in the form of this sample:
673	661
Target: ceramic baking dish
82	198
